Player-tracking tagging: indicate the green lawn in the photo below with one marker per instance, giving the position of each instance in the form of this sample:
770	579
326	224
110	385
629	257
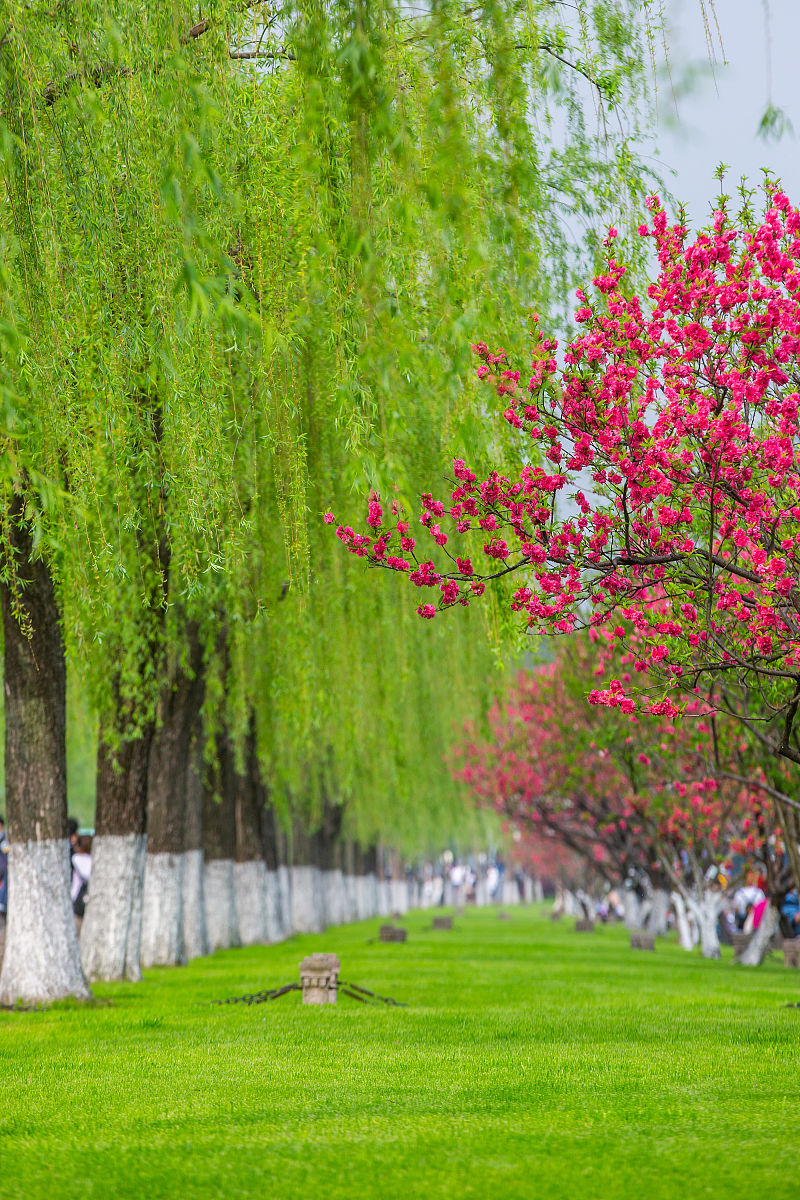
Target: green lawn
531	1062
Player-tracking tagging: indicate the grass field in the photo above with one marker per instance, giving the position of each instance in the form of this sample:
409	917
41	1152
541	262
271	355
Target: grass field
531	1062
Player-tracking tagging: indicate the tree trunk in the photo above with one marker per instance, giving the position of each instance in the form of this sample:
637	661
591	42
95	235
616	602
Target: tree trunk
307	916
326	852
162	914
633	909
706	911
250	868
686	937
42	957
270	836
195	931
111	933
219	840
659	912
349	884
758	947
284	878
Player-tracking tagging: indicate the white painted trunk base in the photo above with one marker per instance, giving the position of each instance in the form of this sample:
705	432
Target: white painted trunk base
333	888
285	900
133	965
705	911
250	885
659	911
383	897
162	911
272	907
370	895
222	925
399	896
350	898
686	930
195	932
633	909
42	959
757	948
306	907
111	932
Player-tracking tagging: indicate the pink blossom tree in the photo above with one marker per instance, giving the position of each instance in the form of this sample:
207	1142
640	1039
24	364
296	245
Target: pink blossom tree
670	498
648	796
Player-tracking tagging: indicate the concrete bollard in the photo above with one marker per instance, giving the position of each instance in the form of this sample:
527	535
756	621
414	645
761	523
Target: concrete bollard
319	977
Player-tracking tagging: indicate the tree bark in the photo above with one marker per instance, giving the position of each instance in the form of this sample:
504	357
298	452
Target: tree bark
42	957
195	931
276	925
685	935
307	916
219	841
757	948
250	868
633	909
659	911
111	934
162	913
706	911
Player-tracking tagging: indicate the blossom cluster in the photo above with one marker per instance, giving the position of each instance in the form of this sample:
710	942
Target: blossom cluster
667	433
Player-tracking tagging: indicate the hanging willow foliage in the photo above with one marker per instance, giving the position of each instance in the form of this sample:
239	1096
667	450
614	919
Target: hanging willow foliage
243	252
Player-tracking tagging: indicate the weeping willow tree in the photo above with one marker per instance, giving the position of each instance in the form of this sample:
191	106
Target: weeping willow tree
242	253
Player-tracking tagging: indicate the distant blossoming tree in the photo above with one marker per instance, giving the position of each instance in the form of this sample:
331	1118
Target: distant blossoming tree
631	795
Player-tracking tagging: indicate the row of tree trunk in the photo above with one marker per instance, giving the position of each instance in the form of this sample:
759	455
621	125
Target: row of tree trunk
188	857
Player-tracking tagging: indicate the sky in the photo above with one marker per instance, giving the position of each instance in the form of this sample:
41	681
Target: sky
712	111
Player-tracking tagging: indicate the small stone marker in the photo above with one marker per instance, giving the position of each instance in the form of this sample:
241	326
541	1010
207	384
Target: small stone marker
584	925
319	976
791	952
643	941
391	933
442	922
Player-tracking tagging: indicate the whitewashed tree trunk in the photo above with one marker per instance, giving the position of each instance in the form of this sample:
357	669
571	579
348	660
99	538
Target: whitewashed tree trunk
399	896
250	885
659	912
706	910
42	958
686	937
633	909
162	911
384	897
285	894
272	901
195	931
757	948
350	898
305	901
111	930
334	897
133	964
222	923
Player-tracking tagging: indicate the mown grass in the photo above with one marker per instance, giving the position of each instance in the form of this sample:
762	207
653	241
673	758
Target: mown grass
530	1062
